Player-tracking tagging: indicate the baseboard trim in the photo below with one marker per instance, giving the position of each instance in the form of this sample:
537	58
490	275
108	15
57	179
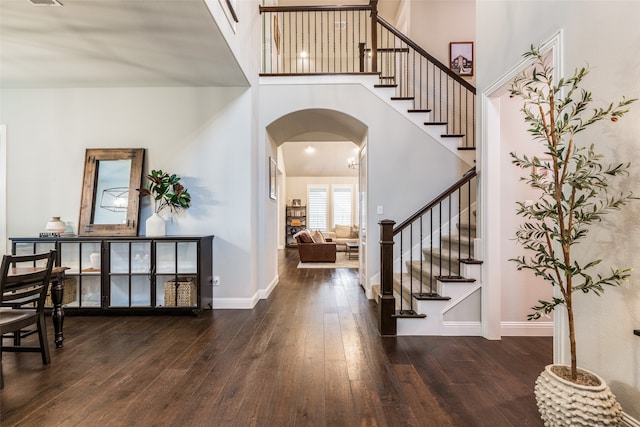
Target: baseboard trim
526	329
245	303
264	293
236	303
461	329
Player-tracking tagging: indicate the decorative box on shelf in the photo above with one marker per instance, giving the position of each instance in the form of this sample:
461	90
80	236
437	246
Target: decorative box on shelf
180	293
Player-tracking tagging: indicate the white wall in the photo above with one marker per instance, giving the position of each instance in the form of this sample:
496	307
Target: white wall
600	33
197	133
407	168
433	24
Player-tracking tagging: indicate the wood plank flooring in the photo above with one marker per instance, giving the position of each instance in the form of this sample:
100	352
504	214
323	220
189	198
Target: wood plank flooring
310	355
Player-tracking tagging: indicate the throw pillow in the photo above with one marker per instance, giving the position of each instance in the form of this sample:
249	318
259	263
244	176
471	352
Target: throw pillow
343	231
318	237
304	236
355	231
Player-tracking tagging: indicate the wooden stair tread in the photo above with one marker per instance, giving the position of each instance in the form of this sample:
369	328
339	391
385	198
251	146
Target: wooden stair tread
408	314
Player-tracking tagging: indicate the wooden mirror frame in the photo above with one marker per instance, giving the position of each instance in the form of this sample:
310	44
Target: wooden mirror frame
89	189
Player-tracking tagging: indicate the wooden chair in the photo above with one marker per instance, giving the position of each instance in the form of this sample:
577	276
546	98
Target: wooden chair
24	281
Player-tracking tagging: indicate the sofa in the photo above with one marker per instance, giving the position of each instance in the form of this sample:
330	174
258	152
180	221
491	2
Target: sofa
311	250
341	234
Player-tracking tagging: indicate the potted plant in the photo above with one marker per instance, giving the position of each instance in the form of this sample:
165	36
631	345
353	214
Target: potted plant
166	192
573	183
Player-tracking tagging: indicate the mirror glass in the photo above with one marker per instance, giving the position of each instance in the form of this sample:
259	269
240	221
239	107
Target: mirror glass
112	192
110	201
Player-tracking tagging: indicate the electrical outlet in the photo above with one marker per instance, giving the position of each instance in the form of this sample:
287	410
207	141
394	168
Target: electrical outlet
216	280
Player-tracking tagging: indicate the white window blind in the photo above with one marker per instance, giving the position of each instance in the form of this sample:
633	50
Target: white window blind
342	202
317	208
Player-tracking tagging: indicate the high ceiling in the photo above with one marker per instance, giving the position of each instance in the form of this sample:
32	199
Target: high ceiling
121	43
106	43
156	43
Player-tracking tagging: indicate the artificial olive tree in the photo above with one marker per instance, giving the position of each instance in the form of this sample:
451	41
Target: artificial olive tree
573	185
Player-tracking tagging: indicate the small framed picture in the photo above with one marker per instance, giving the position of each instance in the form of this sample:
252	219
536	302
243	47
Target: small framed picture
296	202
461	58
273	171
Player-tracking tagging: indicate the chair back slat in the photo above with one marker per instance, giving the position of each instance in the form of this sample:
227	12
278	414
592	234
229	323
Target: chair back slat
21	282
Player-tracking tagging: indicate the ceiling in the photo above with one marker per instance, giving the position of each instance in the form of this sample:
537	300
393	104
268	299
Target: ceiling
334	136
158	43
319	158
121	43
113	43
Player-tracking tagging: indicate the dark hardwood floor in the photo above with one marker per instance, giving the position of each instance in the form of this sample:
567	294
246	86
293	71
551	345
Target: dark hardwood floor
309	355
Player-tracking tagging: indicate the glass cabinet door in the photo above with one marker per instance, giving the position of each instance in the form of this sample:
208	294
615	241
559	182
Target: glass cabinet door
176	279
83	260
129	274
29	248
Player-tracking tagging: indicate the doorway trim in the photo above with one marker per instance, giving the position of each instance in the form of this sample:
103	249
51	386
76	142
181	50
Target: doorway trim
490	177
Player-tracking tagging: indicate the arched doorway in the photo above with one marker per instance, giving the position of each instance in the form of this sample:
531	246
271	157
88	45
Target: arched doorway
319	155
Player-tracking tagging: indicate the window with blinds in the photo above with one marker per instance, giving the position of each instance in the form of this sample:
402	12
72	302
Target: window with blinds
317	208
342	203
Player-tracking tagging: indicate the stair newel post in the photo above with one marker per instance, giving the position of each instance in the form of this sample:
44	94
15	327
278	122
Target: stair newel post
374	35
387	323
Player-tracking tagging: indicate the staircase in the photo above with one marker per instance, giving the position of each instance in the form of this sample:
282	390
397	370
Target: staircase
429	279
323	40
430	290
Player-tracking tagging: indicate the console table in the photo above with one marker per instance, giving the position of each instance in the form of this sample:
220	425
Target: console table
126	275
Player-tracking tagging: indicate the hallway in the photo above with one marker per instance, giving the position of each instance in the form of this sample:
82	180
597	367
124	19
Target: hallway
310	355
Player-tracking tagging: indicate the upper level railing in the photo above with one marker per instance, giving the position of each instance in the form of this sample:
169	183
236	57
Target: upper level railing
339	39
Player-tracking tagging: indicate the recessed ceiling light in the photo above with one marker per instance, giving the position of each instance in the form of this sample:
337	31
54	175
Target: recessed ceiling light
310	150
45	2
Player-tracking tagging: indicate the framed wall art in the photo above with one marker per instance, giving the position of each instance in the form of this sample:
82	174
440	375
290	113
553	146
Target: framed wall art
461	58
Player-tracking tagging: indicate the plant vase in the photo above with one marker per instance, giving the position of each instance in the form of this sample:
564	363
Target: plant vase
564	403
155	225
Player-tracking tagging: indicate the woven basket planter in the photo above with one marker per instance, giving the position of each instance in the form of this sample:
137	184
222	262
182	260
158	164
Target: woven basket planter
563	403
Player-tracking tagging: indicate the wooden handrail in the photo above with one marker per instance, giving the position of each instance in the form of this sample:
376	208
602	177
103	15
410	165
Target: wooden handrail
264	9
424	53
468	176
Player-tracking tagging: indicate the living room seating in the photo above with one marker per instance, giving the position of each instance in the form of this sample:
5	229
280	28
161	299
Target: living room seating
342	234
311	250
24	281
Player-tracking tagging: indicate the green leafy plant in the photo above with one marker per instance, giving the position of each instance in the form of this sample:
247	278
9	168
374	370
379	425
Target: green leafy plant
573	182
166	191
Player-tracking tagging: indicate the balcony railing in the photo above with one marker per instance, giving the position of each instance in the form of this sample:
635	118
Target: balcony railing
339	40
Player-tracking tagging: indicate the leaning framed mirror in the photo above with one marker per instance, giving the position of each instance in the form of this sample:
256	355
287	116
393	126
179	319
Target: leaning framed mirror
110	202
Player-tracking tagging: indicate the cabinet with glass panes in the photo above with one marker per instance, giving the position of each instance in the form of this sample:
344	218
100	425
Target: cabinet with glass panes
131	274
